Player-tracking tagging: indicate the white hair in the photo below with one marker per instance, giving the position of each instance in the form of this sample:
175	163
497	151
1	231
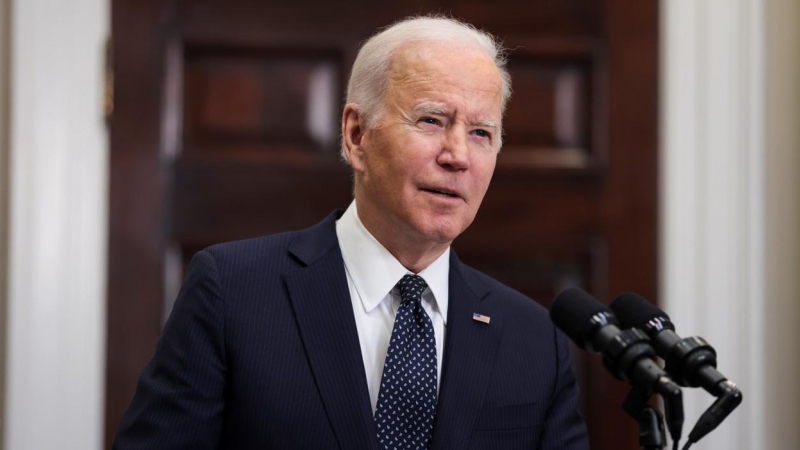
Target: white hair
368	78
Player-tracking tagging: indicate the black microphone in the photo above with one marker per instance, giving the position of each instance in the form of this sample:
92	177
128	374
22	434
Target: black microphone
626	354
690	362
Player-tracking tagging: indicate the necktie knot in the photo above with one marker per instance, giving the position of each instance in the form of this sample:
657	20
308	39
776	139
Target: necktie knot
411	288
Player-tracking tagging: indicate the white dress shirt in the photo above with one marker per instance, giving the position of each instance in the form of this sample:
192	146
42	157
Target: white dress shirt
372	273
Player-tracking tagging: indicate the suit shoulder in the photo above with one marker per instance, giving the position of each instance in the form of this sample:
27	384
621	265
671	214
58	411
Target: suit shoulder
304	245
251	251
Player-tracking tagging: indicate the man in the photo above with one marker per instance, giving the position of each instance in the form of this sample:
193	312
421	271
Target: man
366	331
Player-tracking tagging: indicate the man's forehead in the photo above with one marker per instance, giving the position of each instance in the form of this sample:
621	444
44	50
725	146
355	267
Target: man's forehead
427	55
433	49
424	72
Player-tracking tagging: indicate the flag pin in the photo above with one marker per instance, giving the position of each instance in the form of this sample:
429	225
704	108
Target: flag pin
481	318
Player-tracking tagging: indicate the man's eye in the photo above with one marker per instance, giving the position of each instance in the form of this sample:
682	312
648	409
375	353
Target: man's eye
430	120
482	133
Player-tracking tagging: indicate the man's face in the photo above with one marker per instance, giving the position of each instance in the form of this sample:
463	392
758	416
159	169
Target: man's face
423	170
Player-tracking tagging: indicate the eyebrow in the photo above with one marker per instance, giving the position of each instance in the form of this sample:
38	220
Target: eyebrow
485	124
431	108
442	110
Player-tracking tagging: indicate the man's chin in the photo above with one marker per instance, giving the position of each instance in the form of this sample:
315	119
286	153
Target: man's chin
440	233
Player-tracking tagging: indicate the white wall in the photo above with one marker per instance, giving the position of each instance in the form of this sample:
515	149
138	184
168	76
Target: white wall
58	220
782	208
730	202
5	33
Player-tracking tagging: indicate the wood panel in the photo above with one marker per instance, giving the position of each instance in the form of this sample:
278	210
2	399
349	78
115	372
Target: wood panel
260	100
551	121
226	127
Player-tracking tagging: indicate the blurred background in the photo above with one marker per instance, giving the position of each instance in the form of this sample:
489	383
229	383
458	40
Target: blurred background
650	147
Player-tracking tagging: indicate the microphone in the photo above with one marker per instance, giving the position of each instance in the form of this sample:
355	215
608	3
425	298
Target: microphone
690	362
594	327
626	354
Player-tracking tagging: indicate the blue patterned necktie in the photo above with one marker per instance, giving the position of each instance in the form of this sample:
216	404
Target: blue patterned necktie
407	398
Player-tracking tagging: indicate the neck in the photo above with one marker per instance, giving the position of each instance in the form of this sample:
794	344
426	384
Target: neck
414	254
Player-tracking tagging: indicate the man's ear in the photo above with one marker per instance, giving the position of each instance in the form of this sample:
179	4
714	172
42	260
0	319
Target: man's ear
353	128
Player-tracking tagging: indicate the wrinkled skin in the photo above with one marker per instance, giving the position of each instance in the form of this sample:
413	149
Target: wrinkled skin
423	170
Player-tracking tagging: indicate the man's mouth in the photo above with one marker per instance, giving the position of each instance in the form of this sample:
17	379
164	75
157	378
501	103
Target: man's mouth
443	192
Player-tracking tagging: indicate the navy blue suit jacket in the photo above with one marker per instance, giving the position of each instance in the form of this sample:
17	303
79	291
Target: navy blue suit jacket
261	351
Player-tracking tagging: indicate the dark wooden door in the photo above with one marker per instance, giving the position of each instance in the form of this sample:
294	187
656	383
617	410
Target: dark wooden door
226	127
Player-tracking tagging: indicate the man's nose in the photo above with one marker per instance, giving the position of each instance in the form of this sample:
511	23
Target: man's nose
454	154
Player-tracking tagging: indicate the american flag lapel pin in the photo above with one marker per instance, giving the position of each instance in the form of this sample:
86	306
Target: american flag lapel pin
481	318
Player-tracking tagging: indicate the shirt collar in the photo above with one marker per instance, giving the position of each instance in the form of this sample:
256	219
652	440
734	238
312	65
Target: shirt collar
375	271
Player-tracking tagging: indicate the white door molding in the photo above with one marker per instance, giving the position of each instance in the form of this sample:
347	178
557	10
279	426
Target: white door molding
58	222
730	204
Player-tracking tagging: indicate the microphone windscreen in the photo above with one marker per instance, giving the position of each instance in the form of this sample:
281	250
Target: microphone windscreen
572	312
634	311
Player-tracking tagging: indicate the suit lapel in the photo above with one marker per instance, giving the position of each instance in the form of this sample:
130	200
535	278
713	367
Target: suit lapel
470	347
324	312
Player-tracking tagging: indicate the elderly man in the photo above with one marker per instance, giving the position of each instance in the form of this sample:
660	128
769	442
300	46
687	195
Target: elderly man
365	331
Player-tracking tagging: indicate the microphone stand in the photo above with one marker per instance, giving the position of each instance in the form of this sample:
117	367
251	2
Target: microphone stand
651	422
